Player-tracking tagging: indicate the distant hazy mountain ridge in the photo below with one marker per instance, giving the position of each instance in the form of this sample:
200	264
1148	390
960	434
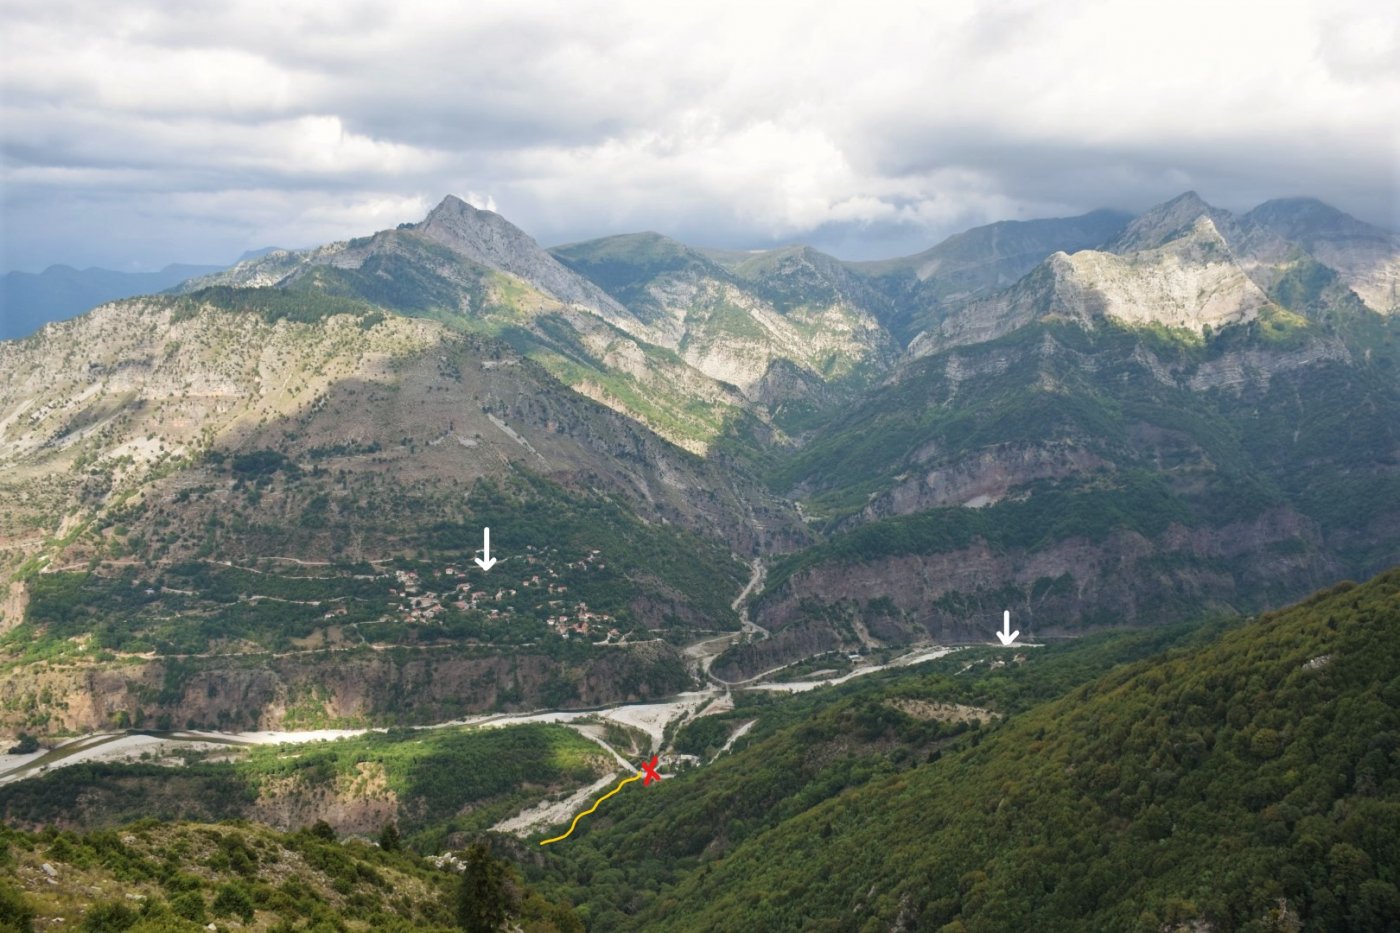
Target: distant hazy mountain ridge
29	301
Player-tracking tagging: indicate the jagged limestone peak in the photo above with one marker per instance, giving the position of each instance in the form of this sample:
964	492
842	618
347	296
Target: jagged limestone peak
1166	222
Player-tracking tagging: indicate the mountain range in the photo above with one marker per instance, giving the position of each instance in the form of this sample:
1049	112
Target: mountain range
1095	421
719	486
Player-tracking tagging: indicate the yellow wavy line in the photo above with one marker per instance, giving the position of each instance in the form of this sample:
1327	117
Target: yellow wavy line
635	777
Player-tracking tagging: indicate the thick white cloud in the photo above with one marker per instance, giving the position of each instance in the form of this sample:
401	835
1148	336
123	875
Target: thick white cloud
199	130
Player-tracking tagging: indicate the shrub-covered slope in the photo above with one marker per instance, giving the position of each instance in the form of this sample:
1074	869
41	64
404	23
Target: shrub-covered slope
173	878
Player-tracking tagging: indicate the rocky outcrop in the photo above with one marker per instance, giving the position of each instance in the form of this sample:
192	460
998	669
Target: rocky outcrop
1191	282
489	239
977	263
1166	222
985	477
1253	367
1367	257
363	687
734	322
1125	579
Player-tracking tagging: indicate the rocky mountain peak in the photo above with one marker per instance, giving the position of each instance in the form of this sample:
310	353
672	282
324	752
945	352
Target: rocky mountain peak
484	236
1166	222
488	238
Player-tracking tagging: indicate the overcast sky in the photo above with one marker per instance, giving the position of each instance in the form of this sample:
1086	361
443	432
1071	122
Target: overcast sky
140	133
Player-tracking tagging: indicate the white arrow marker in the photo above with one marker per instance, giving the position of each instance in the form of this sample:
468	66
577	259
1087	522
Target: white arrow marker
485	561
1006	635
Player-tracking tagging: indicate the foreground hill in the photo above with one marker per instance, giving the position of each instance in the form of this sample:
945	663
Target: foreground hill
1245	781
191	877
438	787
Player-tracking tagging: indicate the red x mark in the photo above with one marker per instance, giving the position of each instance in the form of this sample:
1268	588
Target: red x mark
650	768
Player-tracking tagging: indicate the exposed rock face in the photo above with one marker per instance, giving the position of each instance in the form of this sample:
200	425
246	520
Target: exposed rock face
1125	579
349	688
1190	281
1183	264
482	237
977	263
1367	257
158	389
1061	379
981	479
793	307
262	271
1254	368
1166	222
488	238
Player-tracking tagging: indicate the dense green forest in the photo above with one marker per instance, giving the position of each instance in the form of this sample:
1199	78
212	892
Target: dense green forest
1247	778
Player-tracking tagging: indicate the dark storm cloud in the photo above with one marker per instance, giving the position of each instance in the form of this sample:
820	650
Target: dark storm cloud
200	130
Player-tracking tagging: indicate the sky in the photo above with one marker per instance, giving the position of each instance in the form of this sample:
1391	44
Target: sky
134	134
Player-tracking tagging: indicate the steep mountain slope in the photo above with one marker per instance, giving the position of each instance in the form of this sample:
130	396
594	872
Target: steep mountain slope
976	263
664	335
1200	417
1165	222
172	480
1247	782
29	301
1191	282
1366	257
1188	265
782	326
165	380
1085	479
1118	438
476	272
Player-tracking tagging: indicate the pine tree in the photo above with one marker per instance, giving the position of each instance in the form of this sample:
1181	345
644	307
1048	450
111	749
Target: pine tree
389	838
483	898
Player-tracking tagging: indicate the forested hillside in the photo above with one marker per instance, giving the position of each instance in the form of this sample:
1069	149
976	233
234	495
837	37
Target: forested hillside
1245	779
